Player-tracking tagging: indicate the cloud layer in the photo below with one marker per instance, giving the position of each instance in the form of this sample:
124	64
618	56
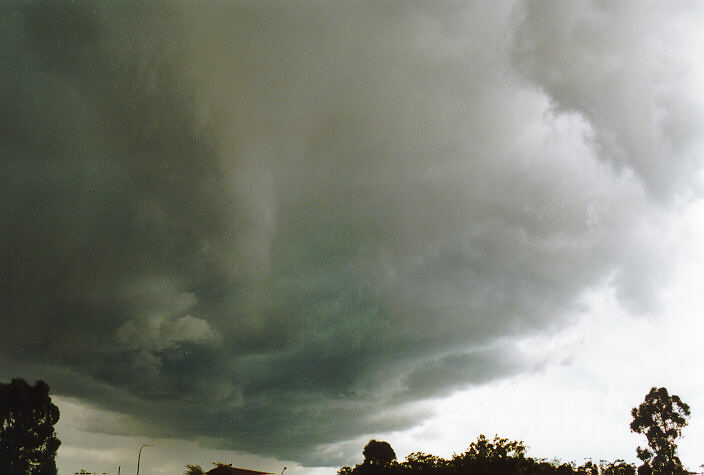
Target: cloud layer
276	225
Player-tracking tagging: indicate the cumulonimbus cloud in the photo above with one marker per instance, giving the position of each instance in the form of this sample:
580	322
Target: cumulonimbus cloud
268	223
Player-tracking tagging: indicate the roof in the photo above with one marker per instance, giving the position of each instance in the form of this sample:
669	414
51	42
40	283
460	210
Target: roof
227	470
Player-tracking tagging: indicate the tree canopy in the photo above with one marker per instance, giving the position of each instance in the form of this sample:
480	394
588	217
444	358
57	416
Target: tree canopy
193	470
28	442
497	456
378	453
660	417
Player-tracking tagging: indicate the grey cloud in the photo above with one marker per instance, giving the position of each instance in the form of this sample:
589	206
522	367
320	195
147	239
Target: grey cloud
455	370
277	225
628	70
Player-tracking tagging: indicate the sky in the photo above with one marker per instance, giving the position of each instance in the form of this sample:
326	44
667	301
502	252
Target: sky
266	232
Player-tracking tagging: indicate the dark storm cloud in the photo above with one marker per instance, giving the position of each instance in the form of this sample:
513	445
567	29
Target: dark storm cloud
270	224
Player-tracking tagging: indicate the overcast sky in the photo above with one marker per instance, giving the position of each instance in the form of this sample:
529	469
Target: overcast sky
265	232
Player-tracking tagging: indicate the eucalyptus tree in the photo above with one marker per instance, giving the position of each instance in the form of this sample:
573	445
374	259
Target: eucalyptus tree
660	417
28	441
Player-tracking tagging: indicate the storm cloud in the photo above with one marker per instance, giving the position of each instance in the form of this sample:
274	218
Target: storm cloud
277	224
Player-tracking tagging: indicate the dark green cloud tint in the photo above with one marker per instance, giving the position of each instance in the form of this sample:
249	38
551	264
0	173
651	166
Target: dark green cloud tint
274	224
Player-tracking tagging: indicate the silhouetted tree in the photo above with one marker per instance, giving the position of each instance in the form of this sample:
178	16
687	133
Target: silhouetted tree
193	470
28	442
660	418
379	459
617	467
588	468
420	463
497	456
378	453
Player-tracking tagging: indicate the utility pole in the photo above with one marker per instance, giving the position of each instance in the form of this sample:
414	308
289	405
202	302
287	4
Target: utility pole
139	457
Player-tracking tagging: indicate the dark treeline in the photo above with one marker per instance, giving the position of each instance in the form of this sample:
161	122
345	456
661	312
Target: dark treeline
499	456
660	418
